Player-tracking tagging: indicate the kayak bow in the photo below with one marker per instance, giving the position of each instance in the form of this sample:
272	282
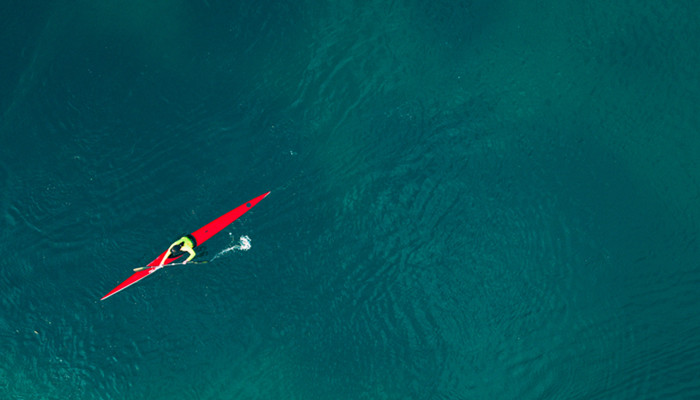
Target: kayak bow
201	235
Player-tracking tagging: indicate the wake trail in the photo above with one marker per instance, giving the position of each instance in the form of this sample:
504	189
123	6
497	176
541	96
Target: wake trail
242	245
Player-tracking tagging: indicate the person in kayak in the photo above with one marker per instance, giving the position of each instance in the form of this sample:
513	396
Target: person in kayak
185	244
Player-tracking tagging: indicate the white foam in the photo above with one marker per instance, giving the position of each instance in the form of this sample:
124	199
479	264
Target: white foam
244	244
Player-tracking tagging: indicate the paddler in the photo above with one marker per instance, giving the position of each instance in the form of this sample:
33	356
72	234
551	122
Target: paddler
185	244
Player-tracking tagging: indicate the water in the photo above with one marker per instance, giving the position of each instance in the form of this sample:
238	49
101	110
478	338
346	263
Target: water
469	200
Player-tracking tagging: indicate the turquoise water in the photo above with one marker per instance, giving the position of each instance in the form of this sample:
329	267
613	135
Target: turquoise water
470	200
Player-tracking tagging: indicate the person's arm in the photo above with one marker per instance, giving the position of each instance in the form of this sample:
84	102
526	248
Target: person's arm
192	253
165	256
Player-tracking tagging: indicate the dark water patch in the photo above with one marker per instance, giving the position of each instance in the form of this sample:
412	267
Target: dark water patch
23	19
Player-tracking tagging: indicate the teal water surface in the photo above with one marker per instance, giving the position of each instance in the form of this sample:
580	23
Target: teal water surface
470	200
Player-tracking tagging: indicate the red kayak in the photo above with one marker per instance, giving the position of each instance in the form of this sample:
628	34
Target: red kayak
201	235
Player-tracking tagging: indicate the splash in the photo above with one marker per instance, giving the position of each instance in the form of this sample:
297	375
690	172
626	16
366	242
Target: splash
242	245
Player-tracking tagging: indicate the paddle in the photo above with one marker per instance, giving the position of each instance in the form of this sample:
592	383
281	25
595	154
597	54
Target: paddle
167	265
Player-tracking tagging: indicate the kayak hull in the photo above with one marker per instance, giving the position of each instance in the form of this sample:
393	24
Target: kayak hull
201	235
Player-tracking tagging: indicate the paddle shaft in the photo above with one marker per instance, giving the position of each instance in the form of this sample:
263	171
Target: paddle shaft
168	265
